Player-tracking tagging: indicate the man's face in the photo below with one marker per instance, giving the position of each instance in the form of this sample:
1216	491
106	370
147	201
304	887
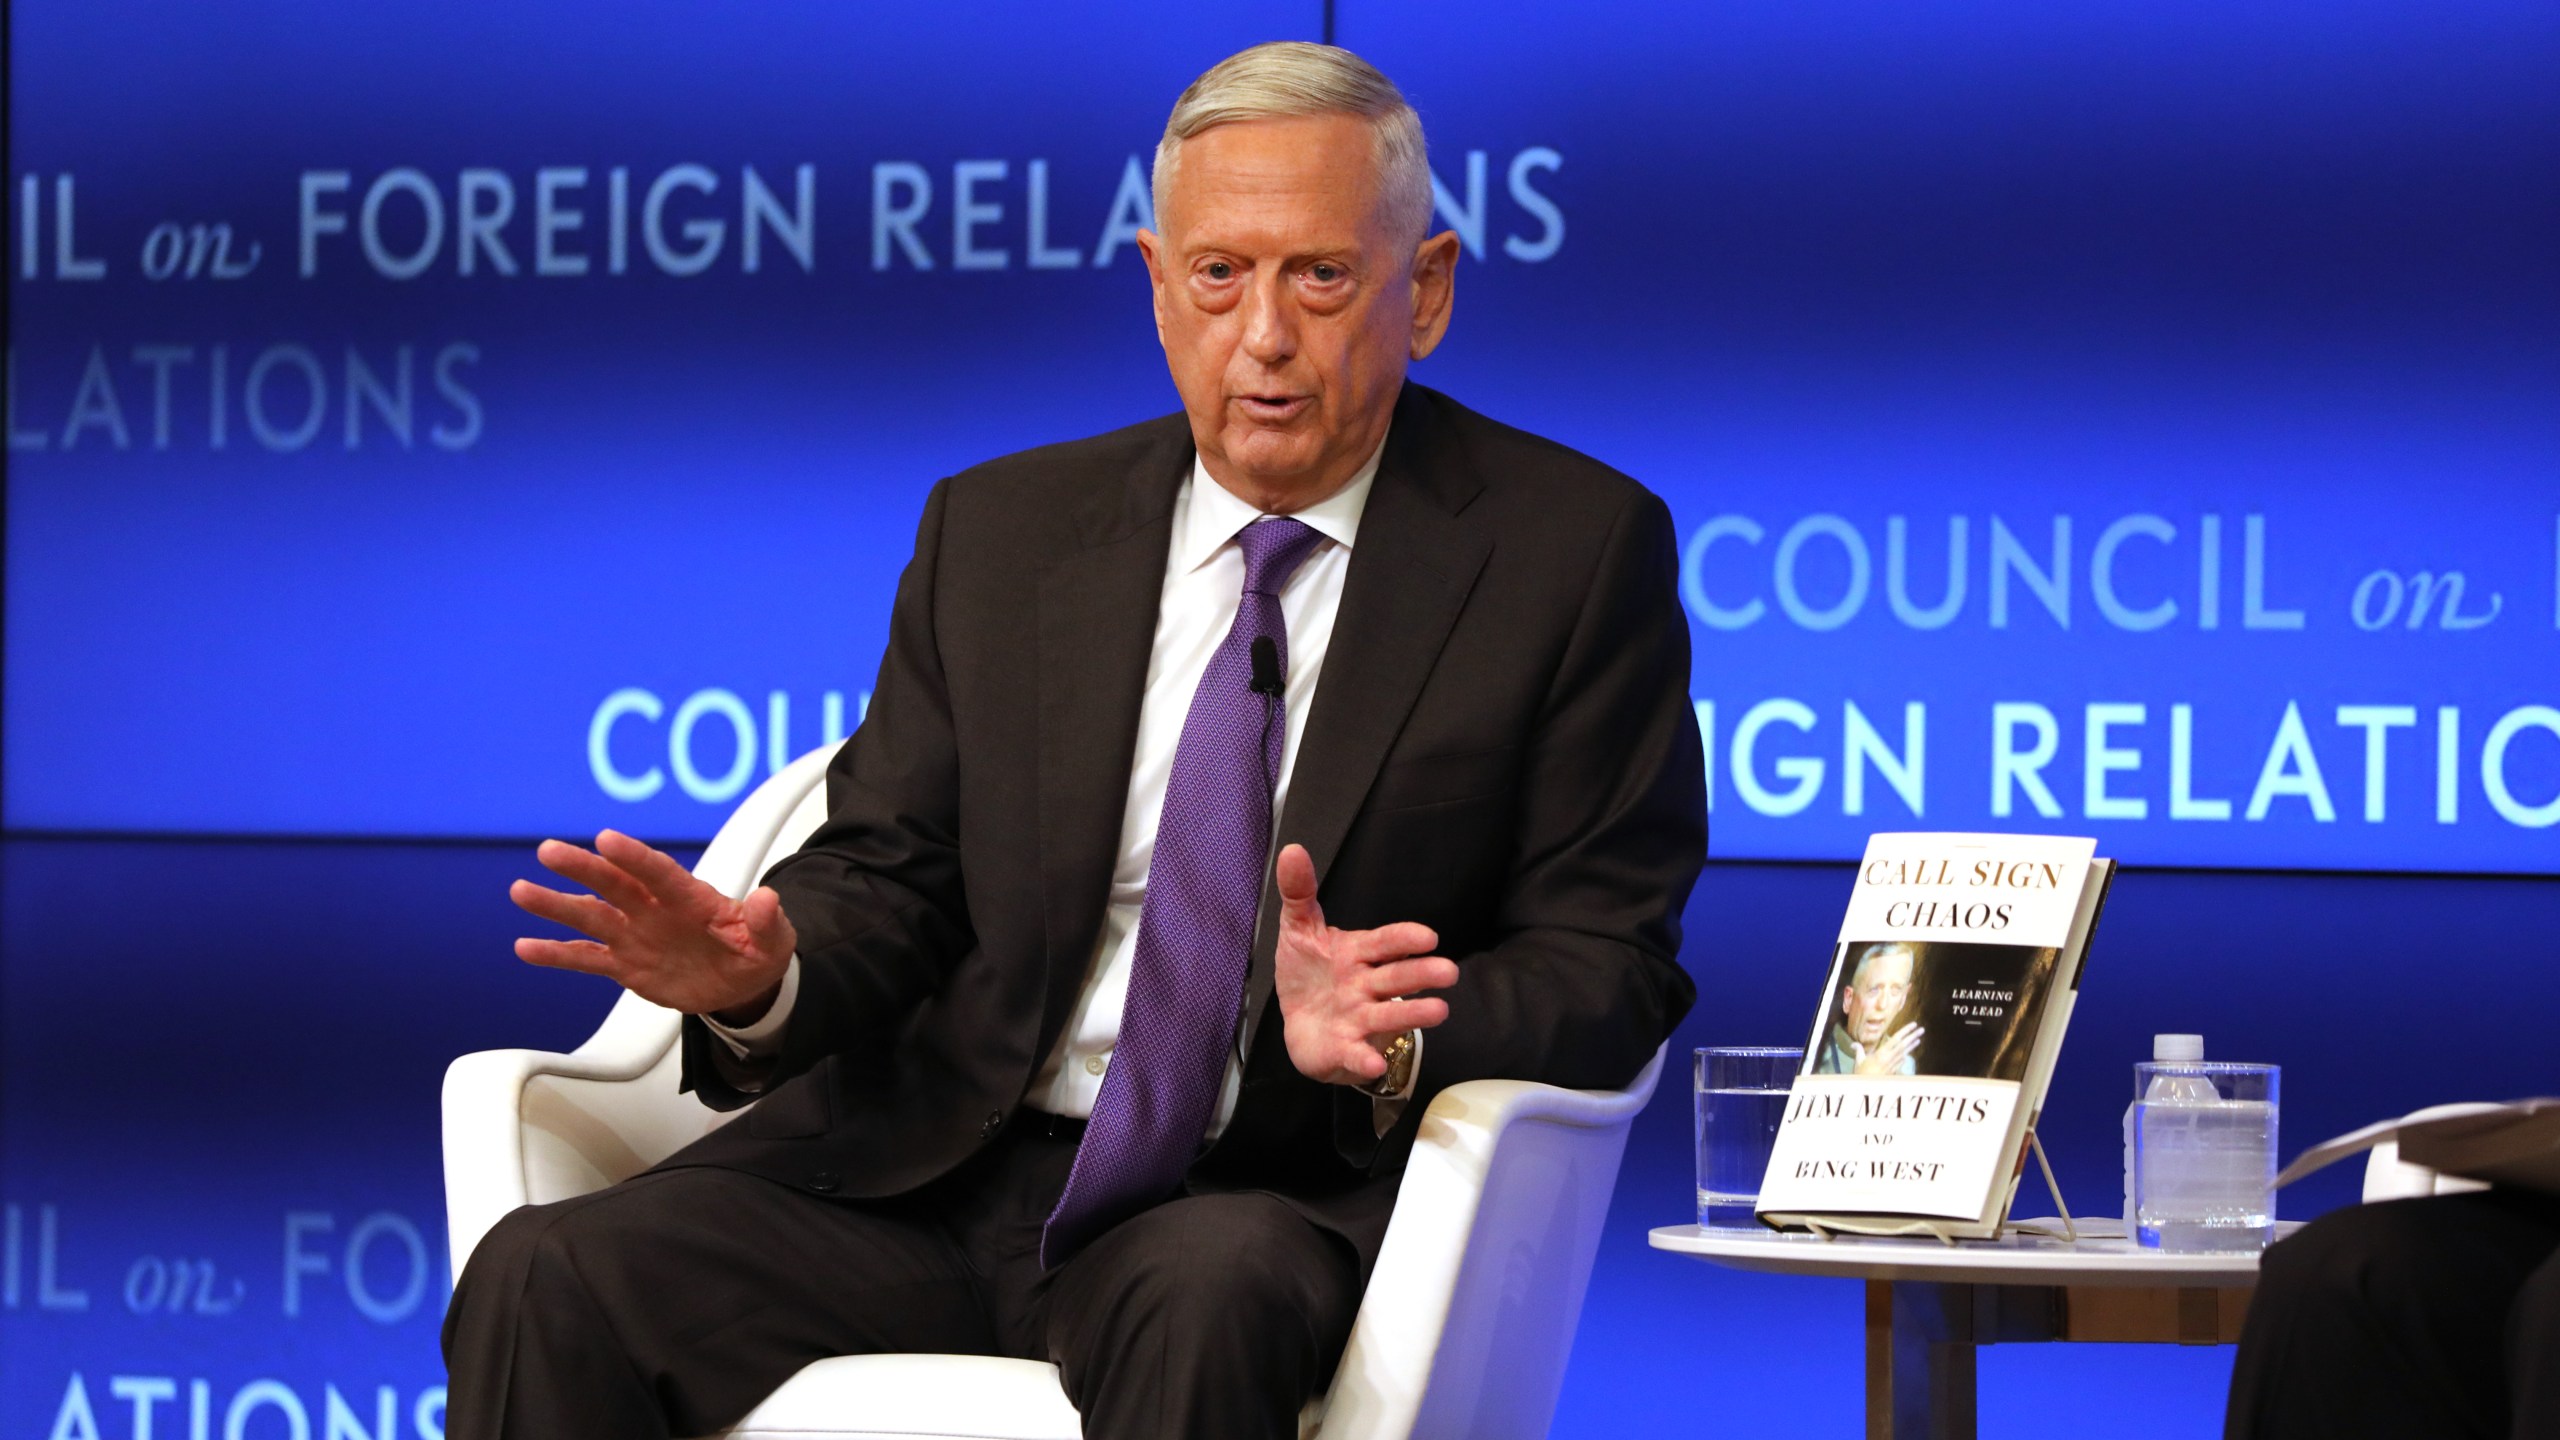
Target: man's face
1287	306
1876	996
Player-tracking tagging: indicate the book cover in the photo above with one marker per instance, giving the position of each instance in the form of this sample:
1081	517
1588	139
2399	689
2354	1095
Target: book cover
1949	988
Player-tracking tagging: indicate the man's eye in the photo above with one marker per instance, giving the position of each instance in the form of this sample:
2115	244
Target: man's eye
1324	274
1220	270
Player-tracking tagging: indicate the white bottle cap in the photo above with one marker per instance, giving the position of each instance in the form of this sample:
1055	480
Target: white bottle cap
2183	1049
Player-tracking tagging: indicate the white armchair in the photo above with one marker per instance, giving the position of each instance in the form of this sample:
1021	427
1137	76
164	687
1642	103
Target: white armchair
1464	1333
2388	1177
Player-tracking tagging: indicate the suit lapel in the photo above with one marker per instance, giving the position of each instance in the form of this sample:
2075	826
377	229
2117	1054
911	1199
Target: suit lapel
1097	621
1412	567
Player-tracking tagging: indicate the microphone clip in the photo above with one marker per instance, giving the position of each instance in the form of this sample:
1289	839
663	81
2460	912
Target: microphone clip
1266	667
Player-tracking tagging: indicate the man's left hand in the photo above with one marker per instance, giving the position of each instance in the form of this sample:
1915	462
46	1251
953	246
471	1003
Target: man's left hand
1346	994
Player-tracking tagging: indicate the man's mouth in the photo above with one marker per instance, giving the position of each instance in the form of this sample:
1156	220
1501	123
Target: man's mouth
1272	409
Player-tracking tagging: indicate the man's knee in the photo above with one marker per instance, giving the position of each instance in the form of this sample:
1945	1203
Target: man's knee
2362	1257
511	1244
534	1238
547	1258
520	1258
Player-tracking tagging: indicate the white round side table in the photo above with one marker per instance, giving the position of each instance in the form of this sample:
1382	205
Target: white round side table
1930	1303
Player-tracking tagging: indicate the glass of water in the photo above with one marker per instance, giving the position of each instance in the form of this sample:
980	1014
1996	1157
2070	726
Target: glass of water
1741	1094
2204	1155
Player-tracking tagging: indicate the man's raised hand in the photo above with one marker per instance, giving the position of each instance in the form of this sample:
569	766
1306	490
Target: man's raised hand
1343	992
1890	1053
658	932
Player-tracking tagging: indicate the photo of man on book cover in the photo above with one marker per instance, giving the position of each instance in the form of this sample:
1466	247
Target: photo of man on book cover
1931	1007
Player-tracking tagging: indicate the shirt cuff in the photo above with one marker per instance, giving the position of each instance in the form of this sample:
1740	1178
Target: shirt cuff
763	1039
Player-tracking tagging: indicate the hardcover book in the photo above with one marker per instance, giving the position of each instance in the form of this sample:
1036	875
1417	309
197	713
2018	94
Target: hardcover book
1949	991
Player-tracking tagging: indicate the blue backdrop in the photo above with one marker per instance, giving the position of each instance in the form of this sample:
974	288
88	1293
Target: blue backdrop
470	421
480	420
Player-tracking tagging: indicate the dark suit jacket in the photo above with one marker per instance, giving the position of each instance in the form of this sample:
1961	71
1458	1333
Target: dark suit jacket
1502	747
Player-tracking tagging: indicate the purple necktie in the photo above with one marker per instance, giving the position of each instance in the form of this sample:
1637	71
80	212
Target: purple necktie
1195	931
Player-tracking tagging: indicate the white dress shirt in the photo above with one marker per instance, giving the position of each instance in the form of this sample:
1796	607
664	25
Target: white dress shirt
1203	587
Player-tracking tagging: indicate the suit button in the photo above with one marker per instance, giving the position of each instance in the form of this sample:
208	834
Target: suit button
995	1122
824	1182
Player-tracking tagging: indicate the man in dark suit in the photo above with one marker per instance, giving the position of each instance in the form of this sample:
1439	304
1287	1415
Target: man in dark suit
1095	1023
2430	1318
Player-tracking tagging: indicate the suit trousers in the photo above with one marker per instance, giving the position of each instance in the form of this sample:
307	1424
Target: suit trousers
670	1304
2407	1319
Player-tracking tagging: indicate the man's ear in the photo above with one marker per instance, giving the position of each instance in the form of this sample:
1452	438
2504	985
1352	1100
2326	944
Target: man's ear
1149	247
1435	278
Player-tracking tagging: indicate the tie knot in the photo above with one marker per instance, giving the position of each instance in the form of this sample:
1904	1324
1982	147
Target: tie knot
1273	550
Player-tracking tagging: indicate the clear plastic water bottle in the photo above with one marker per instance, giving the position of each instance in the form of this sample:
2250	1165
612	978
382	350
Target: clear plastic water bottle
2177	1048
2200	1151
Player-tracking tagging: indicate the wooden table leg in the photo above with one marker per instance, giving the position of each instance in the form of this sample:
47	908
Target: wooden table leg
1920	1340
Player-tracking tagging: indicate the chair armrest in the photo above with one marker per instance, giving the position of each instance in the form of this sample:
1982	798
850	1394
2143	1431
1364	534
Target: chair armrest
512	1131
2388	1177
1479	1283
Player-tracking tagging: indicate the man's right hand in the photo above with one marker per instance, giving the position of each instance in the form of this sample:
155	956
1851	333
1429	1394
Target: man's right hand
658	932
1890	1053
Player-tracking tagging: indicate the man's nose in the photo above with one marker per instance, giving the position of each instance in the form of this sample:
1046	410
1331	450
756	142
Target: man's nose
1270	323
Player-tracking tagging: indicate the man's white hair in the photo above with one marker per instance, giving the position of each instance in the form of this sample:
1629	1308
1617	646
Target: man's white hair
1290	78
1884	951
